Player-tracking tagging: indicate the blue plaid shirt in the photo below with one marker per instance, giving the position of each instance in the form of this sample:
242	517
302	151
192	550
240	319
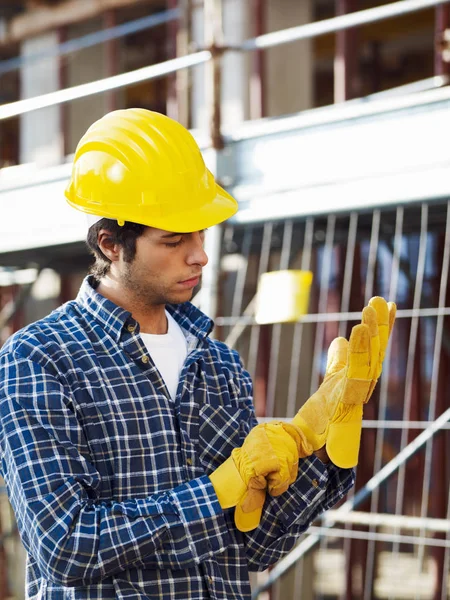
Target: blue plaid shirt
108	476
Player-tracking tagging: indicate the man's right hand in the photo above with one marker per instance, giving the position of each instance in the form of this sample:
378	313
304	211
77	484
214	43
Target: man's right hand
268	459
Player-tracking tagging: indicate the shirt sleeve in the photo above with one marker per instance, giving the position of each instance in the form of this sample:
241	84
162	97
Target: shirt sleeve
318	487
75	537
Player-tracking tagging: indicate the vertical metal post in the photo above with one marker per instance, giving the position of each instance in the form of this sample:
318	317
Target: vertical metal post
214	41
258	358
442	42
183	77
172	52
64	107
210	279
291	408
276	329
109	20
356	550
436	469
256	91
346	58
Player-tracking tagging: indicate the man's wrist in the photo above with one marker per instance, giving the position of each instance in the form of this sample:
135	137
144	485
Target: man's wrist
322	455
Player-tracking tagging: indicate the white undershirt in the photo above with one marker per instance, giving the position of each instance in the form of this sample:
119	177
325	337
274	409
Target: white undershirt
168	352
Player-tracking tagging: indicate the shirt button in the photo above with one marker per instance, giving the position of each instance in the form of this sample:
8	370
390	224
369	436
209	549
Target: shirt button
189	461
131	328
210	580
315	482
145	359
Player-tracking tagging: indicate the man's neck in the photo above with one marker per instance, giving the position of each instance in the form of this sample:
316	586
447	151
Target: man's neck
151	319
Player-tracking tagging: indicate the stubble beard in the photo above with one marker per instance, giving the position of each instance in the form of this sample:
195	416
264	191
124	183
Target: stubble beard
150	294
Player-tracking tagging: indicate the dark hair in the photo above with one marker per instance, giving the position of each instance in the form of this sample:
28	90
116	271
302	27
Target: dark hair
125	236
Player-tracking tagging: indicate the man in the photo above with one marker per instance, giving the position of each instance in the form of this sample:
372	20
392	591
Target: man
127	434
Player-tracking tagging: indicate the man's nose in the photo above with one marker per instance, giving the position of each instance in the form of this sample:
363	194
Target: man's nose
197	254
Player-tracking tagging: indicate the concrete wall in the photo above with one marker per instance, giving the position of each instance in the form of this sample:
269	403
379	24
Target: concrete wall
288	71
84	66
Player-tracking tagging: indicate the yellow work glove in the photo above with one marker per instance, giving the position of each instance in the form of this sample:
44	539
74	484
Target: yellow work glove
289	444
268	458
333	415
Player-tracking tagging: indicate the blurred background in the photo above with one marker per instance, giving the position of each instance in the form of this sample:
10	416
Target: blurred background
329	120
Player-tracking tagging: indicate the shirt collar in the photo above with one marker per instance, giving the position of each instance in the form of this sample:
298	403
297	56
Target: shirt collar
113	318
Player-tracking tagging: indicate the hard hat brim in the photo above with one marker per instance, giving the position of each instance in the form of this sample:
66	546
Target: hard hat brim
221	208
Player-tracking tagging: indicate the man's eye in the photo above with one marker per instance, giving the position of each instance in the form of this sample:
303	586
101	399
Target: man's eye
173	244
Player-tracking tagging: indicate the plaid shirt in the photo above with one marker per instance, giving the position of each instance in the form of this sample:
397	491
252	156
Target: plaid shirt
108	476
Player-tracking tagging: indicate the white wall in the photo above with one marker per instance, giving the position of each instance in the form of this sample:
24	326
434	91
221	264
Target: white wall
40	131
234	68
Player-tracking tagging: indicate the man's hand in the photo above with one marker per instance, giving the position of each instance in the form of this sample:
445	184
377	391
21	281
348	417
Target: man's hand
333	415
328	424
268	459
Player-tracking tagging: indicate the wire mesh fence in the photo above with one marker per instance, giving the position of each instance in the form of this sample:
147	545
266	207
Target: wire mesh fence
401	253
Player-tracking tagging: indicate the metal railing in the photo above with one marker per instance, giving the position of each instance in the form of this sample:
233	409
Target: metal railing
285	36
332	517
402	253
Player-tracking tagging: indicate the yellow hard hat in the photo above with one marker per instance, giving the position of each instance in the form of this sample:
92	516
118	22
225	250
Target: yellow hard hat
141	166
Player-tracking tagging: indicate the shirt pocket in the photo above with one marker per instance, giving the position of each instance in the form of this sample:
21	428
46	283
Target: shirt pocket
222	428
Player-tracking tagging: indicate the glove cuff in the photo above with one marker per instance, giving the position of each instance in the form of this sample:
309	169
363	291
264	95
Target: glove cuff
228	484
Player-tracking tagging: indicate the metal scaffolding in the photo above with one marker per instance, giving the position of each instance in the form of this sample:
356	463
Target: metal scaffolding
400	252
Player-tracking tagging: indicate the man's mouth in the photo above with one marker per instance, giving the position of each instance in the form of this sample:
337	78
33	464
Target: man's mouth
191	282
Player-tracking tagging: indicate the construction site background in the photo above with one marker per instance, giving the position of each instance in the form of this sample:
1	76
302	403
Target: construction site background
333	136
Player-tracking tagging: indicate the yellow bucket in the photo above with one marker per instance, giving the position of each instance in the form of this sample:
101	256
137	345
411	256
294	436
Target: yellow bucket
282	296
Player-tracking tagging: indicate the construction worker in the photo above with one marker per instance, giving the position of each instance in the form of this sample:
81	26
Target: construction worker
127	434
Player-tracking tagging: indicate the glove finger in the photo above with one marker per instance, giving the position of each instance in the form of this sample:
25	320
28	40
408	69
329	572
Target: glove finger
283	444
279	482
384	326
278	486
258	453
370	318
359	353
252	500
246	520
392	307
337	355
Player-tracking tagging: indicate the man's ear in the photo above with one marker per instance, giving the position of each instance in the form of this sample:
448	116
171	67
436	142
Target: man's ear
108	247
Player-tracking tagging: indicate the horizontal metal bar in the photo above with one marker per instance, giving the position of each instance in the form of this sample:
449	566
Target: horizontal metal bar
362	17
307	544
92	39
276	38
334	113
387	520
103	85
422	85
379	537
331	317
372	424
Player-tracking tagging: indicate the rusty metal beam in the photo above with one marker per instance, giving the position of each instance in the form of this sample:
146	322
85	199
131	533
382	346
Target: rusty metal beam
442	40
213	26
346	57
46	18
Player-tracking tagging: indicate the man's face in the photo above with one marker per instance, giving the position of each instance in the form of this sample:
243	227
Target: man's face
166	268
